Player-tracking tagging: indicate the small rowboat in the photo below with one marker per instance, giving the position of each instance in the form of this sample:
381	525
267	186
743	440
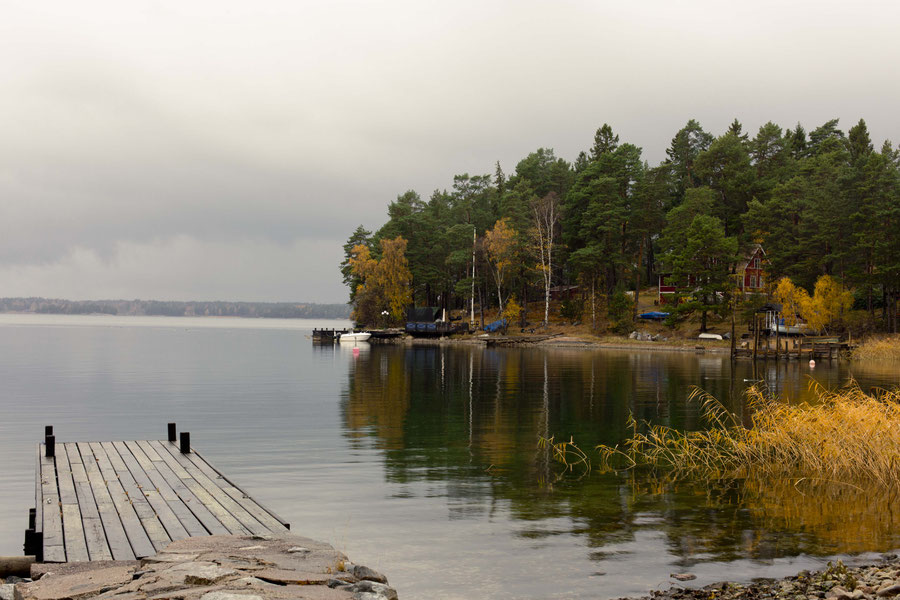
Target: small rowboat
361	336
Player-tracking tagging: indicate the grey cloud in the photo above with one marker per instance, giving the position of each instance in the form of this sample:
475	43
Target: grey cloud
236	133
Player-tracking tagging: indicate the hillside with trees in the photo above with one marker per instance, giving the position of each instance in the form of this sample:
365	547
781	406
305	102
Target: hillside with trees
822	203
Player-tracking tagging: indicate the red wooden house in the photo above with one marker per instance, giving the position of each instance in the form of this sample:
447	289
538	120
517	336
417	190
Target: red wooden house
749	271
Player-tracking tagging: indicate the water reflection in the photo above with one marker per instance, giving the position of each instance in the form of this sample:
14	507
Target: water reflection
471	417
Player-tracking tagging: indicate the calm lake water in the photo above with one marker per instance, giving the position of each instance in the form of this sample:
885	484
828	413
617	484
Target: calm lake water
423	462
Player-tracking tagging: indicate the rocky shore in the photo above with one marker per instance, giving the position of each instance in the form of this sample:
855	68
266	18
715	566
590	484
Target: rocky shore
837	582
210	568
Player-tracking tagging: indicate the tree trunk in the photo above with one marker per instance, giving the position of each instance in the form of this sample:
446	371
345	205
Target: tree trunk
524	318
637	285
481	304
593	305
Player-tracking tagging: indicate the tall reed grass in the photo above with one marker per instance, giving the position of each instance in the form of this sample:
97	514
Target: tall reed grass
886	348
845	438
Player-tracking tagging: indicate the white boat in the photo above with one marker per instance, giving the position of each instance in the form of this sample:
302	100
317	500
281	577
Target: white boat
709	336
360	336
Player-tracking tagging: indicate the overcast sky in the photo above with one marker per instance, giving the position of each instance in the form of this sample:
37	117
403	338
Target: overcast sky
226	149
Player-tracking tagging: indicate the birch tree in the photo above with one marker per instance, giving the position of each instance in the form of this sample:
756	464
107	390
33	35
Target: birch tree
545	213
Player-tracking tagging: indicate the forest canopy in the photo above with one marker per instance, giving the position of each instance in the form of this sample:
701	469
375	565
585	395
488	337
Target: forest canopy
826	202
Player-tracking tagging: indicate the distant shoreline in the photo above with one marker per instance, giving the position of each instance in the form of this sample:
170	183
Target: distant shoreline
170	308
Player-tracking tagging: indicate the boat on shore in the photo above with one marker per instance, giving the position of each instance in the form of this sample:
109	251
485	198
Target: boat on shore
359	336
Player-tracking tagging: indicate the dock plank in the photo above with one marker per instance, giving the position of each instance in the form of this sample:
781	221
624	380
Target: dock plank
237	495
51	526
137	536
97	546
215	498
191	523
116	537
73	529
138	500
196	506
236	491
167	517
38	495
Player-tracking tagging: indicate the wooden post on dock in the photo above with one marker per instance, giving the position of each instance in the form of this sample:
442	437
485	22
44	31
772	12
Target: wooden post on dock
755	336
185	442
172	436
777	346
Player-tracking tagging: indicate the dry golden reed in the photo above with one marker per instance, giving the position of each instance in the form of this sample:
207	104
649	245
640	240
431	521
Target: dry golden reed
846	438
886	348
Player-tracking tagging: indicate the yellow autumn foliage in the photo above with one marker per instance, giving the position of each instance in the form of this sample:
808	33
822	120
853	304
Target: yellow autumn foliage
828	304
385	283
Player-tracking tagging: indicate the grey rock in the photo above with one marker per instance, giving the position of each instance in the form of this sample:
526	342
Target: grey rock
367	574
889	590
169	557
341	579
839	593
200	573
683	576
298	549
7	591
229	596
372	590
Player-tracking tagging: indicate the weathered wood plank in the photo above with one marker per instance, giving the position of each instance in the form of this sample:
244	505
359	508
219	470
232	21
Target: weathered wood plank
217	496
38	495
272	523
138	500
191	523
73	529
97	546
51	526
171	523
212	504
116	537
212	524
148	449
235	491
137	536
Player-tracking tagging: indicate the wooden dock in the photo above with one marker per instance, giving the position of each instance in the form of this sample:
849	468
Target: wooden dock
126	500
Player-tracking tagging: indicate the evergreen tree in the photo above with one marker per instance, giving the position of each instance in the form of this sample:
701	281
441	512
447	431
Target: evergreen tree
687	144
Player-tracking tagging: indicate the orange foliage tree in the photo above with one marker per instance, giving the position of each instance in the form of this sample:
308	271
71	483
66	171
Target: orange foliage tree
385	283
500	243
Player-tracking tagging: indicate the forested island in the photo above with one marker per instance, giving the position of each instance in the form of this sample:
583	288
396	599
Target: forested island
823	206
272	310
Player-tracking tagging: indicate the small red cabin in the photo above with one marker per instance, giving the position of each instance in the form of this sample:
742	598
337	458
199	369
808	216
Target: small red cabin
751	270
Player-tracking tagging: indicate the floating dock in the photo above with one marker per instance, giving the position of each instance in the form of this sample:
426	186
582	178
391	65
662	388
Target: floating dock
127	500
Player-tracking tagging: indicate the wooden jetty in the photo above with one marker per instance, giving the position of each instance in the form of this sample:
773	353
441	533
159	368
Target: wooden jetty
126	500
327	335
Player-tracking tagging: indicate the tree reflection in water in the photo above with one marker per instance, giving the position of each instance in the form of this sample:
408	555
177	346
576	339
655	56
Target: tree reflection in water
471	417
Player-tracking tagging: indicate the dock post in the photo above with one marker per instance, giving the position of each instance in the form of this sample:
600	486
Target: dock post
172	436
48	430
50	446
185	442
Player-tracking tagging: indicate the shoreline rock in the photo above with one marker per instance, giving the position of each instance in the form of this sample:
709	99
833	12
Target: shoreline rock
215	568
873	581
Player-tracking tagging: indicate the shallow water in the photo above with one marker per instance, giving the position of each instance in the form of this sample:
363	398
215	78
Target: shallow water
423	462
